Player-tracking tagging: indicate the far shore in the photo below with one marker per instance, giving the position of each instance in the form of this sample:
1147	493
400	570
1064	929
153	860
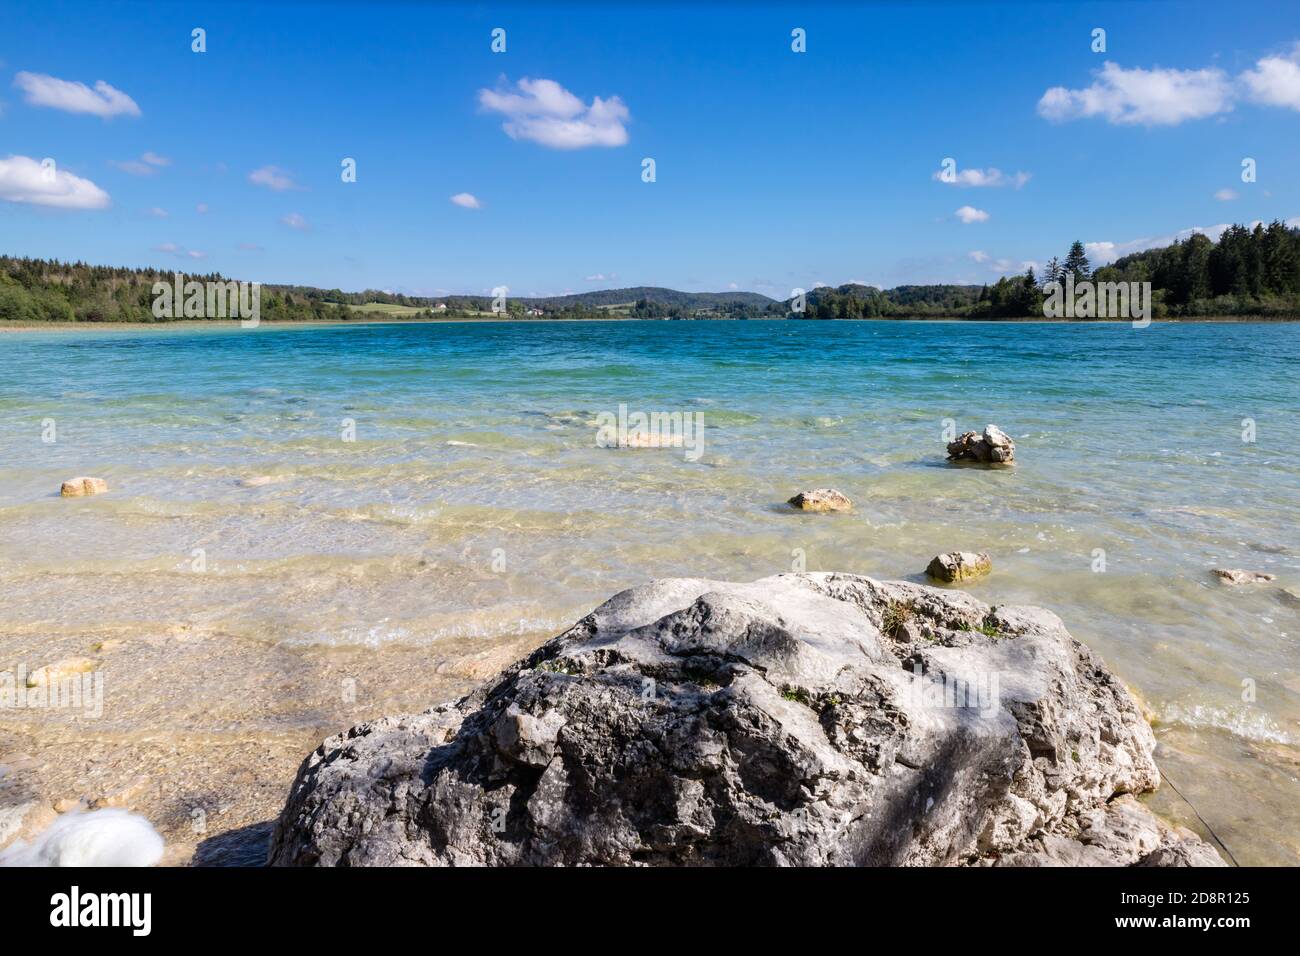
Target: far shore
6	326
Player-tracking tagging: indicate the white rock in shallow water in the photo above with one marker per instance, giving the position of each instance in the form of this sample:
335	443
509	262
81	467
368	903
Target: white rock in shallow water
1236	576
821	499
60	671
97	838
957	566
993	447
82	486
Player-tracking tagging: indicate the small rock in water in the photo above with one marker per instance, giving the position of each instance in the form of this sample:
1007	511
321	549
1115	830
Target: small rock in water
1237	576
60	670
79	487
821	499
257	481
958	566
993	447
650	440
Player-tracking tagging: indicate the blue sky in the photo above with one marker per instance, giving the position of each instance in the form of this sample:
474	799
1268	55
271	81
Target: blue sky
774	169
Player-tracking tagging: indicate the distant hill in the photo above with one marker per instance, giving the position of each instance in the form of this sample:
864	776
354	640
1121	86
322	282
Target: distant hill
41	290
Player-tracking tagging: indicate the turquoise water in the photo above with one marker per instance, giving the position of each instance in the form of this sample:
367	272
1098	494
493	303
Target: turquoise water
474	505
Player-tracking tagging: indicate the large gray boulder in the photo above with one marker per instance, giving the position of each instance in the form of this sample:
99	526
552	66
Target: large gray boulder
803	719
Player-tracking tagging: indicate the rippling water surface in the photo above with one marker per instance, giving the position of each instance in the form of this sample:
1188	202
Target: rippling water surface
474	509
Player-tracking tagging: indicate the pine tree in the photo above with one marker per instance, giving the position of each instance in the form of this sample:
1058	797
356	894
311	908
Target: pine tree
1076	263
1053	272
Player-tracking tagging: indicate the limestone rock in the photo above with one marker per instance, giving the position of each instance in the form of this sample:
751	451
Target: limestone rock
697	722
957	566
821	499
79	487
60	670
994	446
1235	576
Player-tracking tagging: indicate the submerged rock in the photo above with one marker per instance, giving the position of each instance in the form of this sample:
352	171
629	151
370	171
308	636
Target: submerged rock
994	446
957	566
1236	576
785	721
59	671
821	499
79	487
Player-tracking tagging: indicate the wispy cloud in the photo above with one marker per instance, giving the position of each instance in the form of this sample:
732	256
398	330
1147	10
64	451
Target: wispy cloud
70	96
146	165
295	221
1226	195
172	249
602	277
466	201
983	178
24	180
544	112
969	214
272	177
157	212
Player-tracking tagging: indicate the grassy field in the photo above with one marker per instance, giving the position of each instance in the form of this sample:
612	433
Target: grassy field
386	309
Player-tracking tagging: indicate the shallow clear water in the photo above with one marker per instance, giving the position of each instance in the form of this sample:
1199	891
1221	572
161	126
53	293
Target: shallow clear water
475	508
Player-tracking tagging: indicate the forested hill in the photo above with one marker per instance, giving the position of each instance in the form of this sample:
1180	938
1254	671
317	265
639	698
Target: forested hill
41	290
1250	271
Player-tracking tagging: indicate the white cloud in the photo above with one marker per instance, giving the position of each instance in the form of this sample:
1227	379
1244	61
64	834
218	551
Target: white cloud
295	221
1227	195
601	277
272	177
466	201
153	159
1153	97
72	97
545	112
1275	81
983	177
249	247
978	256
23	179
157	212
969	214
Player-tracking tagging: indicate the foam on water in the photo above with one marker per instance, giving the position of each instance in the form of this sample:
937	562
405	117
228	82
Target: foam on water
109	837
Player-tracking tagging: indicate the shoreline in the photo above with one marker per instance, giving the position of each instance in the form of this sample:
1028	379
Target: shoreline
233	324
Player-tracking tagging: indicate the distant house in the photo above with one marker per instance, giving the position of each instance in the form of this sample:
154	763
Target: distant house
534	312
440	307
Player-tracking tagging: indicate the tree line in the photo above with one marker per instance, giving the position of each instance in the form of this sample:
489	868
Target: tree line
1250	271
